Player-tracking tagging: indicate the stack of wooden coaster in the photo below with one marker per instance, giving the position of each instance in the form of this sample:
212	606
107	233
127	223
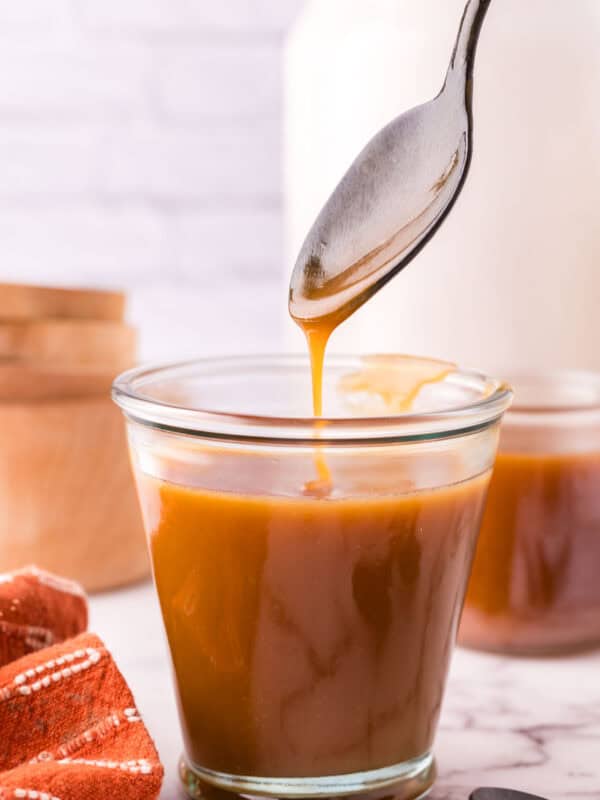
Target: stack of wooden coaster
67	500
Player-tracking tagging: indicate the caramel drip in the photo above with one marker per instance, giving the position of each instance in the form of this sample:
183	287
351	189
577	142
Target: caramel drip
382	388
317	337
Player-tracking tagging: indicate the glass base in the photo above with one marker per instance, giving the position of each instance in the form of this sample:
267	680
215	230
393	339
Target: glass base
407	781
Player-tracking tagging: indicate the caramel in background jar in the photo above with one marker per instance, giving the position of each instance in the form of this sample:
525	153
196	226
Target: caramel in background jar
535	586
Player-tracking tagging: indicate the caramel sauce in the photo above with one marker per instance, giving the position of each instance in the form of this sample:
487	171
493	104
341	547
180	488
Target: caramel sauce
310	636
534	585
317	336
311	630
389	390
397	390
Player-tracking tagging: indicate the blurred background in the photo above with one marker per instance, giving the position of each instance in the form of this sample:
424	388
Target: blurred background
180	149
140	147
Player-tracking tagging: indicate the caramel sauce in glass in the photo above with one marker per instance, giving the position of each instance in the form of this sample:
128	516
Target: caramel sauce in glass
310	636
311	630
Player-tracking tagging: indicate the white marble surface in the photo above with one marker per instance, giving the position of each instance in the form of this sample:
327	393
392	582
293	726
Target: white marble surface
519	723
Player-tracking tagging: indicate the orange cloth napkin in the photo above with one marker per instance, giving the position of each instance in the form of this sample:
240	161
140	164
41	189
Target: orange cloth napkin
37	610
69	727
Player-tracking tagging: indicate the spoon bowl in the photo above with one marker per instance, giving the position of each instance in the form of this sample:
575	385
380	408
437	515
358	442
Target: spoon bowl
394	197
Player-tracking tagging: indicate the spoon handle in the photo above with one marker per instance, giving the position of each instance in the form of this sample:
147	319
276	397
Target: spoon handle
463	55
502	794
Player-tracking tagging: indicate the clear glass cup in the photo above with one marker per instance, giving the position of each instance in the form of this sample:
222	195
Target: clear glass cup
534	589
310	572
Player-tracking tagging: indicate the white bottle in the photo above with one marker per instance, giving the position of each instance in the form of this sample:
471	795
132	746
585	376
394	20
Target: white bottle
512	280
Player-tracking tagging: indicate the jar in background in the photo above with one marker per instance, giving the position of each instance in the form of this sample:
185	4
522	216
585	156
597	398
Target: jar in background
535	588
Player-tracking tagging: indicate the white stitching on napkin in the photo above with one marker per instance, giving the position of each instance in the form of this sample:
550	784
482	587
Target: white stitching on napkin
23	683
139	766
33	794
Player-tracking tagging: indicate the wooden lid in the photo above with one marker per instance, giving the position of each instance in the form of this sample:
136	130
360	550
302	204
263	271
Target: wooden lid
23	302
69	342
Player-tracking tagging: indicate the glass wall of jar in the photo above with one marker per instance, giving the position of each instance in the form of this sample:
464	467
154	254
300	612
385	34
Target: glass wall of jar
534	588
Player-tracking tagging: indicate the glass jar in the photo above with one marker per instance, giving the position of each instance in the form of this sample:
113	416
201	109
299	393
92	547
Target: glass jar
534	588
310	631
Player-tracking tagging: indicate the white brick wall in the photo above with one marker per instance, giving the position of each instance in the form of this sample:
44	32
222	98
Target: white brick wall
140	147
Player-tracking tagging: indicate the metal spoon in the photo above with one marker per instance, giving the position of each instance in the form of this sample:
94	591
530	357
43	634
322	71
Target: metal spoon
395	195
502	794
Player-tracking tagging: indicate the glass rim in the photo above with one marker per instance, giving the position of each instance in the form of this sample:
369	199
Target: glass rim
495	398
558	378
